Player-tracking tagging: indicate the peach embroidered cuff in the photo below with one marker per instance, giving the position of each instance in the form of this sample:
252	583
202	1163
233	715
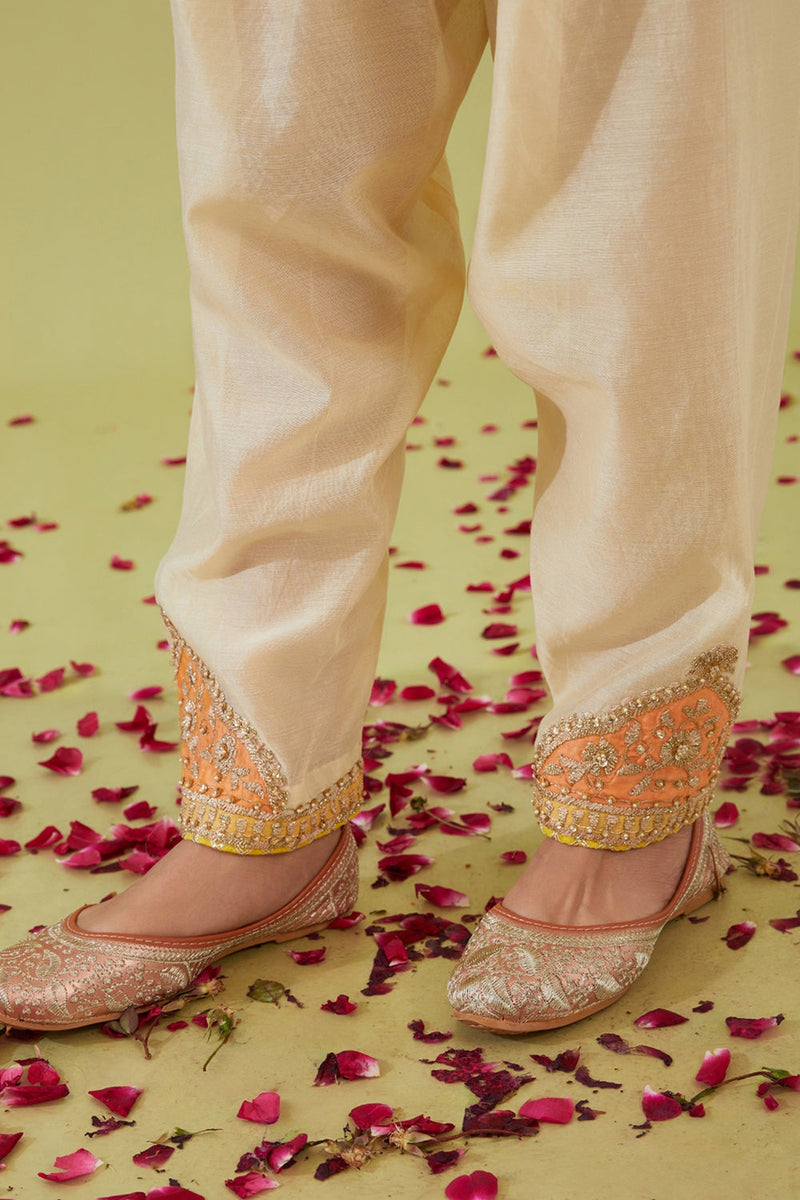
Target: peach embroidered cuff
643	770
234	794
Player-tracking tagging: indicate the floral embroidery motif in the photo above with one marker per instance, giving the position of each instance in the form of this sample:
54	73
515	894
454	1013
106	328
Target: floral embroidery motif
234	794
643	770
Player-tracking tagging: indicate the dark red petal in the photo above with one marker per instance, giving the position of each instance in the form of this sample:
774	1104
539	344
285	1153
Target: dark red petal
659	1106
657	1018
342	1005
306	958
739	935
751	1027
88	725
154	1156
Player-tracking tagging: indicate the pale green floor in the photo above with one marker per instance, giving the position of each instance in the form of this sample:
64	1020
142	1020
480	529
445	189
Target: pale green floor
96	346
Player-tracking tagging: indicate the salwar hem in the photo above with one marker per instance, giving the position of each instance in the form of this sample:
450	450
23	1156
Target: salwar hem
643	770
234	791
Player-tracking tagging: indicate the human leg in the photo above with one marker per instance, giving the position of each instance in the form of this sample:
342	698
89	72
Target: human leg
631	270
326	277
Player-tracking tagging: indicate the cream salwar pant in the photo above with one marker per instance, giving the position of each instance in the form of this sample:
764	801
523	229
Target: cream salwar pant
632	263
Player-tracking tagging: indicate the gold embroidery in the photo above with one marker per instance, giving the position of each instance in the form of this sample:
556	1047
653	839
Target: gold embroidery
643	770
234	792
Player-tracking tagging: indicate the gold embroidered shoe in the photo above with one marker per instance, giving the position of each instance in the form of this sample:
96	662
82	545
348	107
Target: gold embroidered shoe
518	975
65	977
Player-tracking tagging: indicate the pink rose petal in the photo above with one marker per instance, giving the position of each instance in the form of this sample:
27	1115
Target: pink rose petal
151	745
657	1018
514	857
251	1184
775	841
119	1100
47	735
88	725
751	1027
480	1185
72	1166
490	762
372	1116
8	846
52	680
715	1067
398	867
553	1109
83	669
146	693
660	1107
427	614
355	1065
264	1108
449	676
383	691
442	897
65	761
417	692
792	664
7	1143
726	815
122	564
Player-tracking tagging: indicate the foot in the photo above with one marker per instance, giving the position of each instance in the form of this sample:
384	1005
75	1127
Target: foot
195	890
571	885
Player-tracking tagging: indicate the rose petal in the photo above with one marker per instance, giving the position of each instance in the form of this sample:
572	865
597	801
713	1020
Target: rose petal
427	614
368	1116
355	1065
792	664
122	564
417	692
657	1106
307	958
47	735
88	725
146	693
398	867
480	1185
72	1166
52	680
775	841
154	1156
659	1017
715	1067
264	1108
449	676
382	692
490	762
751	1027
726	815
251	1184
555	1110
342	1005
65	761
514	857
739	935
119	1100
441	896
7	1143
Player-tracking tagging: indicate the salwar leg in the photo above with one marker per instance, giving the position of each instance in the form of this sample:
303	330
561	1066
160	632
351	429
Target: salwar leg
633	263
326	278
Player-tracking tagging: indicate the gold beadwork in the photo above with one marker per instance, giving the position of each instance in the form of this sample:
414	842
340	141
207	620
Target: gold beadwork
644	769
234	792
